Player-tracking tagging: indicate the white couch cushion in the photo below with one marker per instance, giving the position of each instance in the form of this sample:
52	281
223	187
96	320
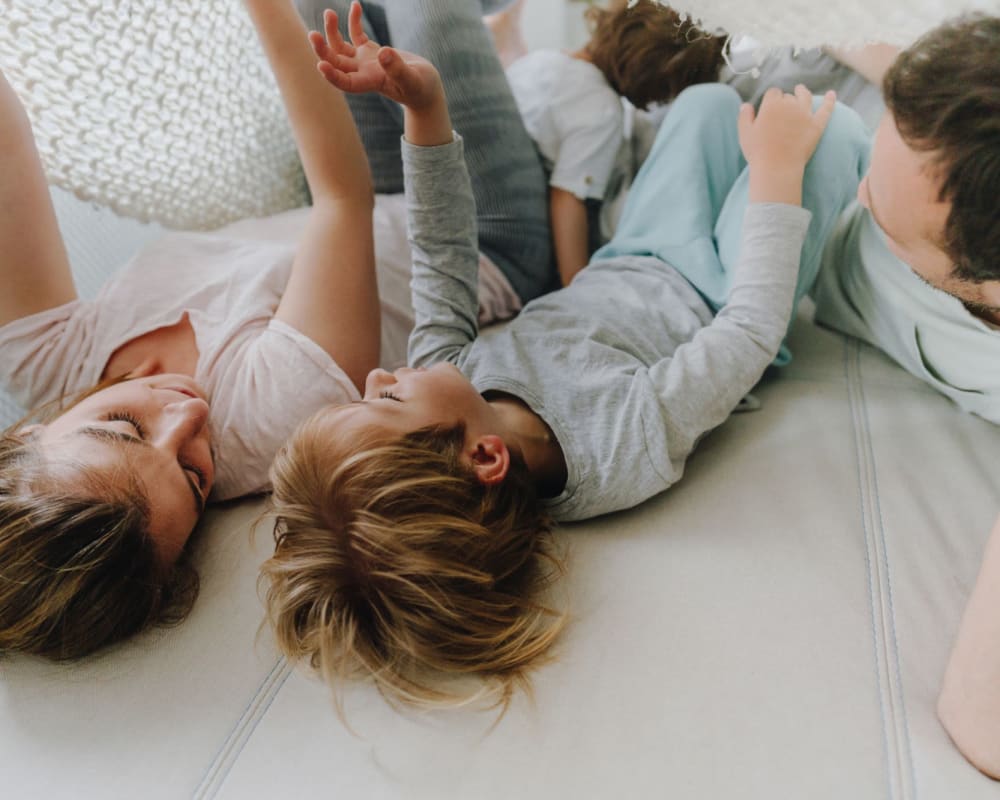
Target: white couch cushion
774	626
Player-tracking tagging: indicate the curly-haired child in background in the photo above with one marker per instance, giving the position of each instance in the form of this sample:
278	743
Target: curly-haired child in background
572	106
413	528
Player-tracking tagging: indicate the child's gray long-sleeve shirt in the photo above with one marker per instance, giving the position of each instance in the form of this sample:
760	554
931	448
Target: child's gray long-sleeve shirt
626	365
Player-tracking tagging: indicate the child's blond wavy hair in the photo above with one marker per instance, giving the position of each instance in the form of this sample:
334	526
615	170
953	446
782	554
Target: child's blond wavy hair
393	561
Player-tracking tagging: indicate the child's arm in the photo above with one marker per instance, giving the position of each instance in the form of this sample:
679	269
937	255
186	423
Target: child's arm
441	208
444	244
587	152
332	295
570	232
969	704
34	269
706	378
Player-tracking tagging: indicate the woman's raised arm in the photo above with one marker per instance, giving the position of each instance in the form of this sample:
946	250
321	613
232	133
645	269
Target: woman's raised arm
34	269
332	294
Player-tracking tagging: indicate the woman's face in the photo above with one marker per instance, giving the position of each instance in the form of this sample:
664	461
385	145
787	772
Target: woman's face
155	430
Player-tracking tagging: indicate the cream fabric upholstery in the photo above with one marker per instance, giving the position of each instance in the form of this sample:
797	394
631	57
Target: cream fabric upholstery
774	626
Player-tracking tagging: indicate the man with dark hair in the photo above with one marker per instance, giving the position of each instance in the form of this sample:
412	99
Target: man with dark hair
914	269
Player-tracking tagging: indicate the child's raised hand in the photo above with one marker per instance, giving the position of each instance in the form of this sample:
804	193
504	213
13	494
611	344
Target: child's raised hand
361	65
784	132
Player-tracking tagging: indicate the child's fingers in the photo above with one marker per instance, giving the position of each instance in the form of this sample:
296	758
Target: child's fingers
334	75
320	47
745	121
318	43
825	110
771	96
354	26
397	70
804	96
343	63
348	82
331	25
334	41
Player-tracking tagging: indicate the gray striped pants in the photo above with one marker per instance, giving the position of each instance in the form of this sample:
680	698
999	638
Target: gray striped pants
508	181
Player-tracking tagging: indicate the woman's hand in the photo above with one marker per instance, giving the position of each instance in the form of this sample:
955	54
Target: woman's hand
334	266
361	65
778	141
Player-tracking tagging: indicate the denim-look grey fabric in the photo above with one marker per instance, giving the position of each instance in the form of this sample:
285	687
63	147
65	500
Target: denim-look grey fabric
508	181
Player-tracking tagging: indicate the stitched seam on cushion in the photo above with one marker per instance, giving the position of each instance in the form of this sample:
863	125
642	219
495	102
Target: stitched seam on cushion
226	742
852	348
225	759
906	745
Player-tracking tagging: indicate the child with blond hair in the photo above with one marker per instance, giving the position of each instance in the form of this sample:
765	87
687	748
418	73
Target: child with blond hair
413	528
572	105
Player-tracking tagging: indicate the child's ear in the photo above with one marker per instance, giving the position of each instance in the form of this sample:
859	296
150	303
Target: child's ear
490	459
30	430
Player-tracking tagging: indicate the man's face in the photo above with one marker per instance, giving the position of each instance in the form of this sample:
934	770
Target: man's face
902	192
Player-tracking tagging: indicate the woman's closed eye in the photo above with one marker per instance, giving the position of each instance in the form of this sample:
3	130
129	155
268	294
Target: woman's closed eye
198	474
389	396
130	419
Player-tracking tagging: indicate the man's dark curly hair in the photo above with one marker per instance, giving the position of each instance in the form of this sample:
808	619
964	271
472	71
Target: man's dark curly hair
944	94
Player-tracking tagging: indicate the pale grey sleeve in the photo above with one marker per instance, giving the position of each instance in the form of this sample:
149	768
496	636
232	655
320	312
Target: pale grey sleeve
704	380
441	223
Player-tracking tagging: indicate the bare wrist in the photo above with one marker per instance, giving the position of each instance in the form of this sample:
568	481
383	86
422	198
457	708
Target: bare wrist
776	183
428	125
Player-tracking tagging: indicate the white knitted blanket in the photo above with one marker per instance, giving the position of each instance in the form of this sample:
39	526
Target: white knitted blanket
167	111
162	111
839	23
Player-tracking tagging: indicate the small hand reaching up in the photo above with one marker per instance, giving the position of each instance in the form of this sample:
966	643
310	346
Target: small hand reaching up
778	141
362	65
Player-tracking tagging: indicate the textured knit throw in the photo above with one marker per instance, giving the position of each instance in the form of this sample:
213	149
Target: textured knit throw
839	23
163	111
167	111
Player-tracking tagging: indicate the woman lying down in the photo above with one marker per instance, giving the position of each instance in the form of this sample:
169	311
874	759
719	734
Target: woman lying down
176	385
